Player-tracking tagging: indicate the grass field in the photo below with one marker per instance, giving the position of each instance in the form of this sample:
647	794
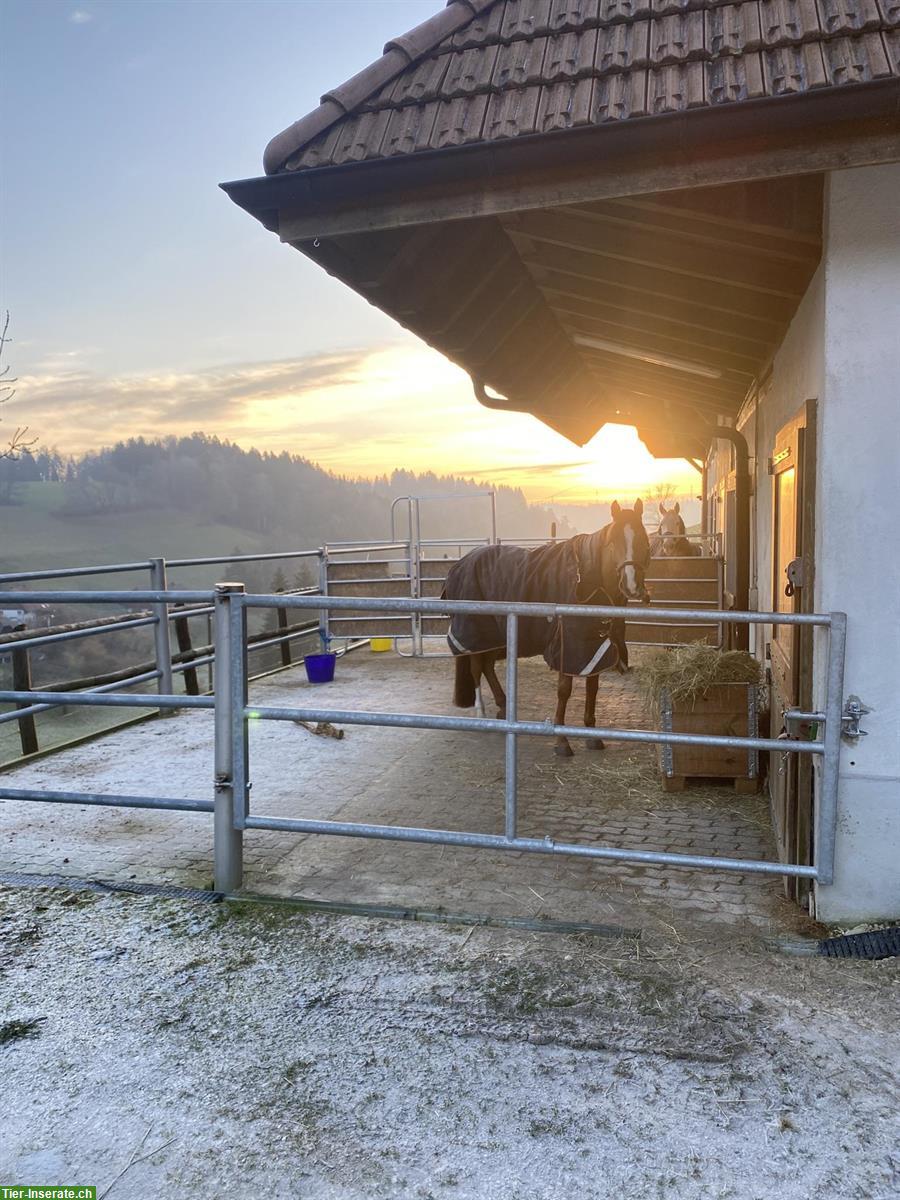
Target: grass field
35	535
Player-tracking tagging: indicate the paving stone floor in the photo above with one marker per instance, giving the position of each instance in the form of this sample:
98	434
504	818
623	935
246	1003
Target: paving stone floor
408	777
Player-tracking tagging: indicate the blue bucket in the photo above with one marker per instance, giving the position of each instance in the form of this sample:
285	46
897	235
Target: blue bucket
320	667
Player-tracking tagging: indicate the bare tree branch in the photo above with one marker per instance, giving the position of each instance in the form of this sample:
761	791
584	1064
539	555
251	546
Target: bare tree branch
19	440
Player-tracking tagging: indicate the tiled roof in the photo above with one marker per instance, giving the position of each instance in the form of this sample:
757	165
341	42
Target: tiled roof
483	70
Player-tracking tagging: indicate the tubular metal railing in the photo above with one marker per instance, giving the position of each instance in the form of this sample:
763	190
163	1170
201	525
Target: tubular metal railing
231	803
19	644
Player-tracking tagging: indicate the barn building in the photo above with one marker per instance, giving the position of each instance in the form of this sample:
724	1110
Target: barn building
685	216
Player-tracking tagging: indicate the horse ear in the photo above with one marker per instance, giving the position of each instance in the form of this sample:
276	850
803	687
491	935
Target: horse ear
662	509
677	508
639	507
616	510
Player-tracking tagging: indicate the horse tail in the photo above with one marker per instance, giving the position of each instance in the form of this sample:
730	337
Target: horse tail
464	685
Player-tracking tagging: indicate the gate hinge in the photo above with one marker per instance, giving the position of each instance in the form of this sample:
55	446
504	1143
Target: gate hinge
854	710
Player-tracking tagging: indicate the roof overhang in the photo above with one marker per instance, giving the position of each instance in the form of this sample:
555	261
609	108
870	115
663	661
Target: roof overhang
642	273
829	129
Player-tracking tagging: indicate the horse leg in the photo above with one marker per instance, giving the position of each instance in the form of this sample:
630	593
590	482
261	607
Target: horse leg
563	692
497	691
591	684
476	666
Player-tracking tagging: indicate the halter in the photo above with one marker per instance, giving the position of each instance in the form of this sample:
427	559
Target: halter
638	569
620	572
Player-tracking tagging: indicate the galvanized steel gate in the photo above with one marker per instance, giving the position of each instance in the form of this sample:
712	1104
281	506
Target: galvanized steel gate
417	567
233	711
231	804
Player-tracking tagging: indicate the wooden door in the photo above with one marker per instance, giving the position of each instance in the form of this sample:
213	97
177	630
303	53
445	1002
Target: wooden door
792	466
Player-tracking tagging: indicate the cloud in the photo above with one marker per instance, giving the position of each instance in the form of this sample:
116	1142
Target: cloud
356	412
535	468
79	17
79	409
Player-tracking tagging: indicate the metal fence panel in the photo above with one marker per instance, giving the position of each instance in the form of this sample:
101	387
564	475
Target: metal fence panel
231	805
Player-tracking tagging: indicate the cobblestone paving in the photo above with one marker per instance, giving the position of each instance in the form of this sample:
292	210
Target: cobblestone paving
408	777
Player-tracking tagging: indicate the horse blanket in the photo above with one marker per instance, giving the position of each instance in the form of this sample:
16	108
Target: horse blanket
546	575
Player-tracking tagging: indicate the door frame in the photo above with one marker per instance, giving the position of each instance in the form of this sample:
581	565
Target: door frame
795	446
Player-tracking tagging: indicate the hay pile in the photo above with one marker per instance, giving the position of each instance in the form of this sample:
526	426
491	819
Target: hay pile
686	673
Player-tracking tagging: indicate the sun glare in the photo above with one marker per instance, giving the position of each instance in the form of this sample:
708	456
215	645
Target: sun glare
620	463
409	407
367	413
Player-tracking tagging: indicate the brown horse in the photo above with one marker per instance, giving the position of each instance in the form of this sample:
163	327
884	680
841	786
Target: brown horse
606	567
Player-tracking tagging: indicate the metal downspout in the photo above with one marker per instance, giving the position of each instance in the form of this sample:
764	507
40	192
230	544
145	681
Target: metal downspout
499	403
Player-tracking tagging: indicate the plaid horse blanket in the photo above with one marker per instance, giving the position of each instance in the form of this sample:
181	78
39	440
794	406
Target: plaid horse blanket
546	575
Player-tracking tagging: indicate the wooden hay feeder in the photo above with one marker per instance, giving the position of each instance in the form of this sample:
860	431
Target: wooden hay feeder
728	709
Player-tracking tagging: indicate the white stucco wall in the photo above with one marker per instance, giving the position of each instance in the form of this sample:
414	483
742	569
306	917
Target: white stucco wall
858	527
843	350
797	376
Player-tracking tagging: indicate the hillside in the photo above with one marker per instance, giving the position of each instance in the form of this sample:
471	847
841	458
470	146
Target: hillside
38	535
197	496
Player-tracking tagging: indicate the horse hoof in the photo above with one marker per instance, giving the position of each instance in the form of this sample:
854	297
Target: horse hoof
596	744
501	714
563	750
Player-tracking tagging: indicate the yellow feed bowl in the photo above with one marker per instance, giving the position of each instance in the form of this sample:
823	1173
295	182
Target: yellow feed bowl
379	645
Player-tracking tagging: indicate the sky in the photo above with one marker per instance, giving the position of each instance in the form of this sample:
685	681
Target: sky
143	302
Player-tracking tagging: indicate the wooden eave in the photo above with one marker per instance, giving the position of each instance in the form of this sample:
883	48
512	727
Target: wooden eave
684	239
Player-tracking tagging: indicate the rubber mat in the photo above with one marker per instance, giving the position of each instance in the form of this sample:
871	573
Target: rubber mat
879	943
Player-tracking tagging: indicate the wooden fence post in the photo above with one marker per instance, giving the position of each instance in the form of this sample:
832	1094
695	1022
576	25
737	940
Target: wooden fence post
21	670
286	659
183	634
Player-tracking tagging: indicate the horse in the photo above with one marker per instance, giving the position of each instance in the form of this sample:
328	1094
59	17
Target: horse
670	540
602	568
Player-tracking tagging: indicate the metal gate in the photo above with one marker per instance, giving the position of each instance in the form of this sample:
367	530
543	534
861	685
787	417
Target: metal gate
682	582
231	803
233	712
417	567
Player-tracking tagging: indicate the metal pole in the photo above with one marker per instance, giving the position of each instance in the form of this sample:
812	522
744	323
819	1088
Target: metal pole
228	840
741	525
239	739
493	496
416	567
512	687
397	500
324	613
161	629
826	823
546	845
704	514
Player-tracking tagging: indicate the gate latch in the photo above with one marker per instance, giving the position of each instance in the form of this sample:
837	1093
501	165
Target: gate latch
854	711
794	572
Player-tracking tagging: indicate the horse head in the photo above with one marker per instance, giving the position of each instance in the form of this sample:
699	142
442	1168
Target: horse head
626	550
671	530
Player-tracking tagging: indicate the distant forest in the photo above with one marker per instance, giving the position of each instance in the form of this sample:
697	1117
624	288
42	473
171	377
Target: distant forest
283	498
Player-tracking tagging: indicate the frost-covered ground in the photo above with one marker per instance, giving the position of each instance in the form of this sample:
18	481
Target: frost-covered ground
223	1048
